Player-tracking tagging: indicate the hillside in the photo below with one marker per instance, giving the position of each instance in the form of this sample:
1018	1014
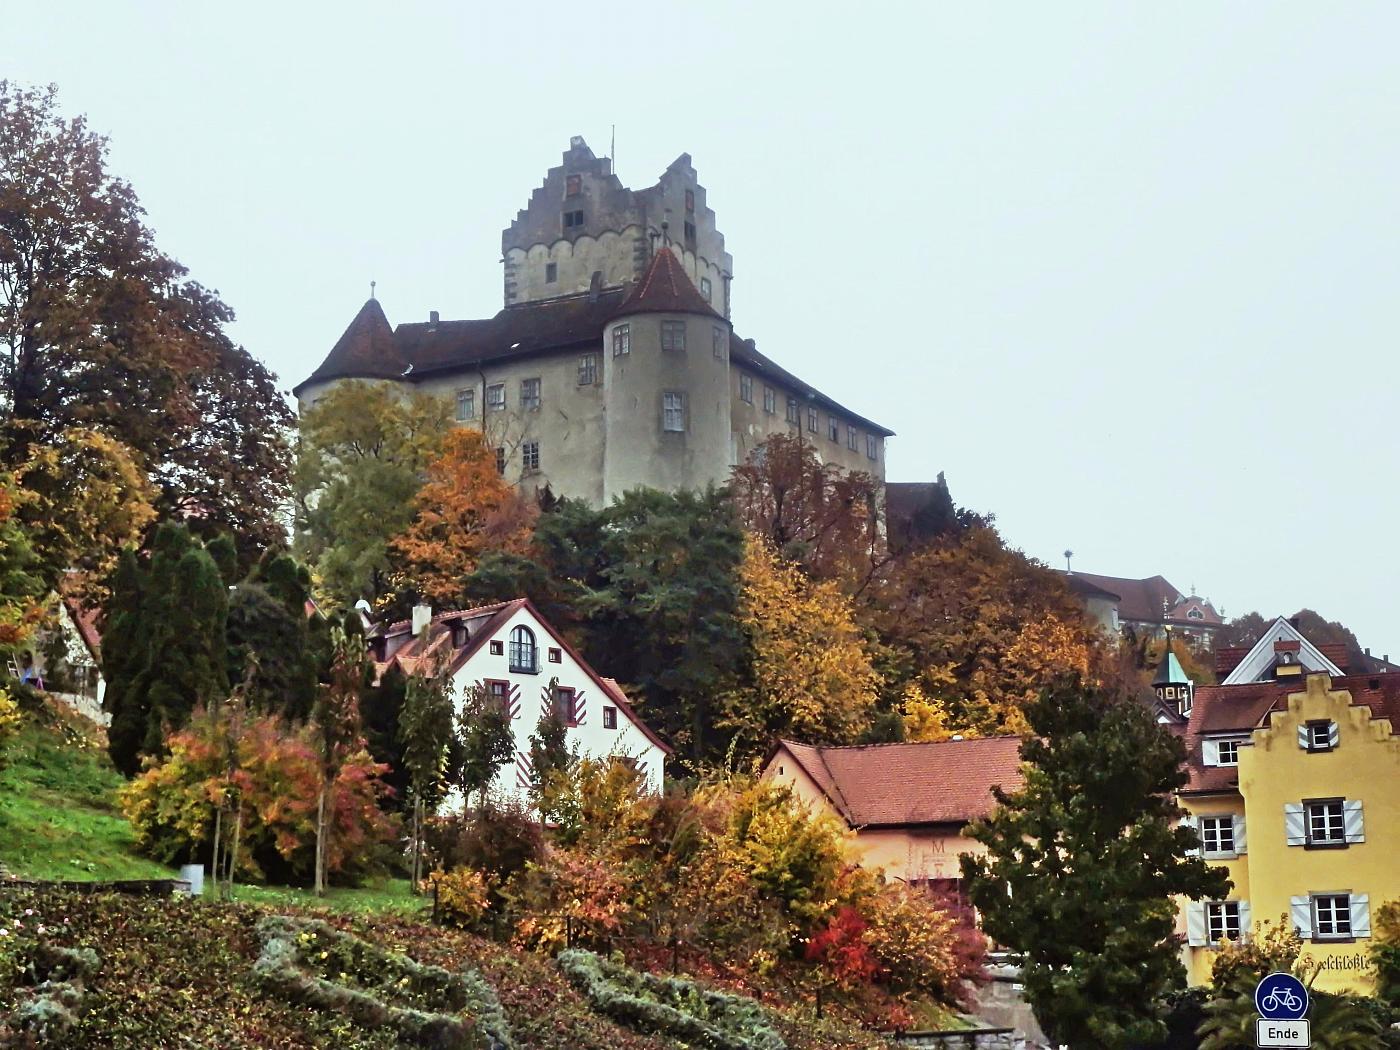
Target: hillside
179	972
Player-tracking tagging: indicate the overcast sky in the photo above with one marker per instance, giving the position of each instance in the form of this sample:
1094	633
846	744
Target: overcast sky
1127	273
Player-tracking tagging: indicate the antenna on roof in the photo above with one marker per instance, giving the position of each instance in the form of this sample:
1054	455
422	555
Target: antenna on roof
1068	556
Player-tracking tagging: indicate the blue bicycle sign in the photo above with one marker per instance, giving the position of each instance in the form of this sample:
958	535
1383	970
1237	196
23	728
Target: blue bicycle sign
1281	997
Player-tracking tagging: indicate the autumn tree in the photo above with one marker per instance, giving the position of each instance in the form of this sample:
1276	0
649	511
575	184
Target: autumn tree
88	497
817	514
425	734
21	585
335	735
808	673
550	758
103	333
980	628
363	450
464	509
1087	893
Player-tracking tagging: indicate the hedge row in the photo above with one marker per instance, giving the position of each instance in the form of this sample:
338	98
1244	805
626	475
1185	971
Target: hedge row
670	1005
455	1011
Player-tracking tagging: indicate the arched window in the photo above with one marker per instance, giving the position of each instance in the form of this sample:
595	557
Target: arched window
523	654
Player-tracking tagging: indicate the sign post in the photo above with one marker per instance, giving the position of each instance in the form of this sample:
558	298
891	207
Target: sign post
1282	1002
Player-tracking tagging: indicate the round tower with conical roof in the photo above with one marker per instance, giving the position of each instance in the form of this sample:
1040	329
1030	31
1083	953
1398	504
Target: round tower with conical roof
666	388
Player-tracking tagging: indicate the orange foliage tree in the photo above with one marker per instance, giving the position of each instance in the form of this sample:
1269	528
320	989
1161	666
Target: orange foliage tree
463	510
979	630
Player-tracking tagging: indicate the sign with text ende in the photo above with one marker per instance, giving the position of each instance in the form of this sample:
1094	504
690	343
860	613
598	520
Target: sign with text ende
1282	1033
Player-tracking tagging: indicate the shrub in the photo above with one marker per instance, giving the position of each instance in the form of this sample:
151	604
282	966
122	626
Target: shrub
670	1006
1385	953
499	838
1238	964
378	988
10	719
461	896
171	806
566	890
913	939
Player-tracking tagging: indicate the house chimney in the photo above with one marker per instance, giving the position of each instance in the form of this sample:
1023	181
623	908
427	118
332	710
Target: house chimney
422	616
432	317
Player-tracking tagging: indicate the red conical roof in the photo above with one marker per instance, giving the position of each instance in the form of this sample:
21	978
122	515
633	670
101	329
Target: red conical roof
365	351
665	288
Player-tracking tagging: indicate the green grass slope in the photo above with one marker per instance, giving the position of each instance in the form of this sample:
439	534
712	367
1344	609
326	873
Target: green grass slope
58	812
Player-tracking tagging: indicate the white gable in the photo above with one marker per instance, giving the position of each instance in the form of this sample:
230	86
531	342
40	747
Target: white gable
1261	658
526	693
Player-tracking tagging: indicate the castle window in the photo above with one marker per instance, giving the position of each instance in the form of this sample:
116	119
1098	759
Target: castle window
524	657
573	219
672	335
500	468
812	420
718	338
850	437
609	717
746	389
690	234
466	405
530	394
872	446
690	200
705	288
833	430
673	411
770	400
573	185
587	369
551	272
530	454
622	340
793	410
496	397
1223	921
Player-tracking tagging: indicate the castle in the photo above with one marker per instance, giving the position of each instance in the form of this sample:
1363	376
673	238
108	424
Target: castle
614	363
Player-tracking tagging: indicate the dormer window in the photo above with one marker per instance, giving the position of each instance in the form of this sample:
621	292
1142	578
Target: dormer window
459	634
1195	614
1221	752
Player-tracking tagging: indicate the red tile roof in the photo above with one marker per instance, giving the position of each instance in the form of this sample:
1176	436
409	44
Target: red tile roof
898	785
1239	709
436	652
666	288
366	350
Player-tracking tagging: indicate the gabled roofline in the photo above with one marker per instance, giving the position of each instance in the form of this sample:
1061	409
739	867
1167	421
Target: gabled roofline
1262	654
498	618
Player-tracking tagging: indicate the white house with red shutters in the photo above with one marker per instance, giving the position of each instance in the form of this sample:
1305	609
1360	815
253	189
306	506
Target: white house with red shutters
513	653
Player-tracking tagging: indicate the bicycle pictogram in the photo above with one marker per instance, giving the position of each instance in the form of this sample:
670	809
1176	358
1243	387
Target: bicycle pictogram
1282	999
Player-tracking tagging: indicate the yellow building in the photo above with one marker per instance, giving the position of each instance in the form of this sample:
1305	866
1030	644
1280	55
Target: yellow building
907	804
1295	790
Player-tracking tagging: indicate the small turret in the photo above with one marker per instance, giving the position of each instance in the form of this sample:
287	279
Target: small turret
1171	684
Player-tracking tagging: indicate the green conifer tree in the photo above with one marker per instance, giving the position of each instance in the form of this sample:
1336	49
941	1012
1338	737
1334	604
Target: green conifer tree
1085	864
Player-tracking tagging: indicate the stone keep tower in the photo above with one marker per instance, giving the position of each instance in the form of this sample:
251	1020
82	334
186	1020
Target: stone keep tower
583	230
666	388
